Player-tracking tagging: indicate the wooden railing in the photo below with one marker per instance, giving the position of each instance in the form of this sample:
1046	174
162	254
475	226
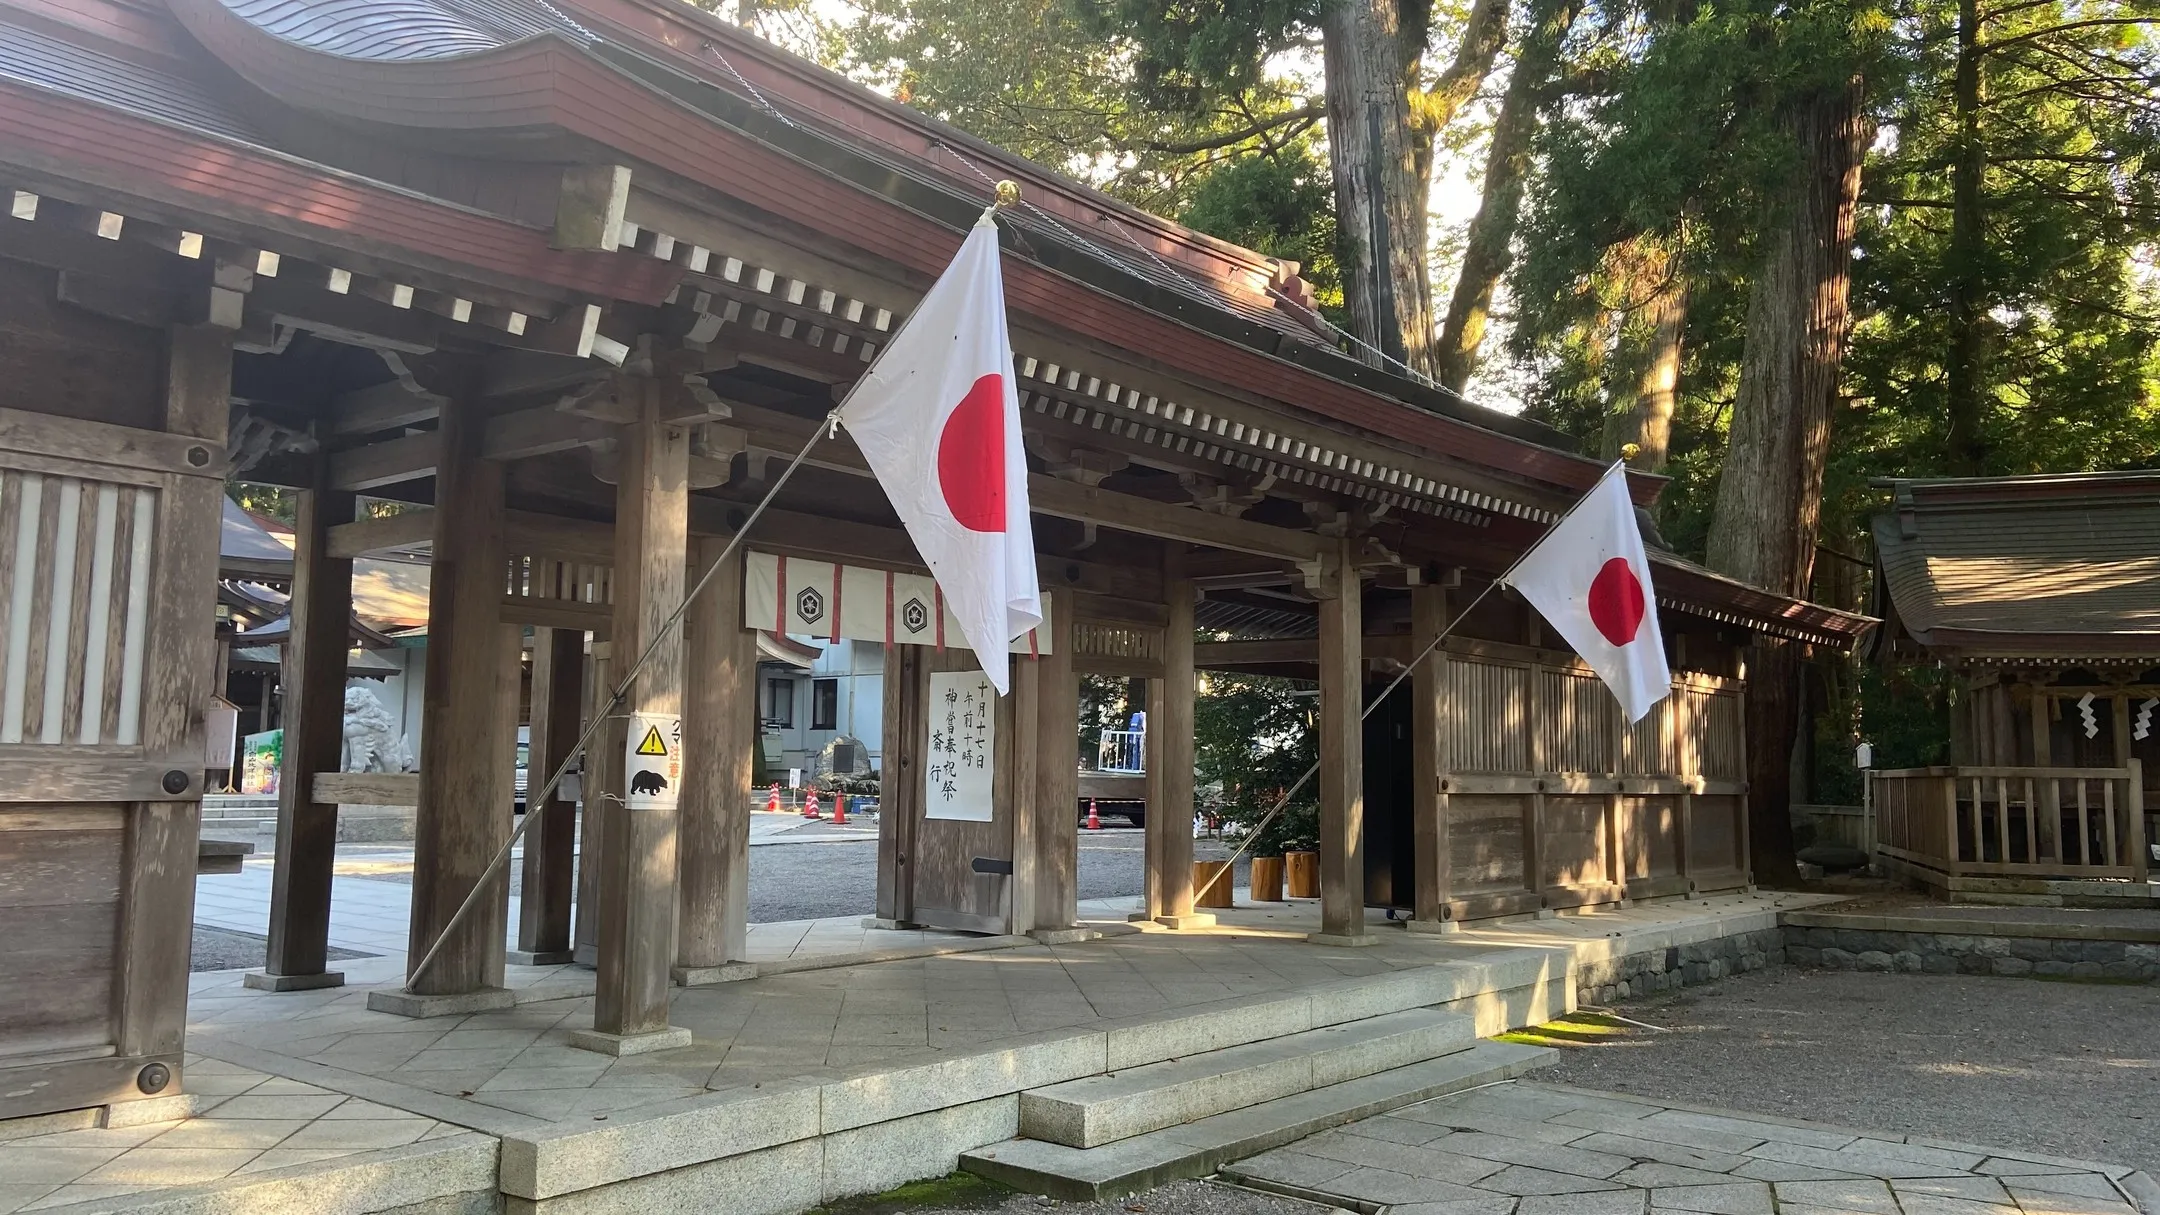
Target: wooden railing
2063	823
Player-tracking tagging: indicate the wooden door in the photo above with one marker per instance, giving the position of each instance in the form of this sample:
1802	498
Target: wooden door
949	873
108	559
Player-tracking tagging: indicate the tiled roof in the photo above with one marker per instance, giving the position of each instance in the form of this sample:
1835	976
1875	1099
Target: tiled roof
39	59
1995	565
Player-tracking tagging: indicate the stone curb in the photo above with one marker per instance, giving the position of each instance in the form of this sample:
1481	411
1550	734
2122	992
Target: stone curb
1970	928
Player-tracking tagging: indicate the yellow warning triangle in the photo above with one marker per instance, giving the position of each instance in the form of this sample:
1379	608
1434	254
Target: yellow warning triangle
652	744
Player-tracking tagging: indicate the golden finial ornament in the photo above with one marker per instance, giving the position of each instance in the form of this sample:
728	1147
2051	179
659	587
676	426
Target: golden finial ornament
1008	192
1628	451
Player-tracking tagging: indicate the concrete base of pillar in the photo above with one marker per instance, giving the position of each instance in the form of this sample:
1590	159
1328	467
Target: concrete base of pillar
871	921
1362	940
1139	917
706	976
540	957
1190	920
1438	928
263	980
1064	936
674	1037
453	1004
586	955
1547	913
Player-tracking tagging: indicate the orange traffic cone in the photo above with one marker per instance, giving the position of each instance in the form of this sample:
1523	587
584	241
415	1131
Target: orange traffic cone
1094	822
809	809
772	799
839	809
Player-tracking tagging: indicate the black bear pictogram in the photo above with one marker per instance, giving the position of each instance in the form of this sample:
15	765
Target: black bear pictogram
647	782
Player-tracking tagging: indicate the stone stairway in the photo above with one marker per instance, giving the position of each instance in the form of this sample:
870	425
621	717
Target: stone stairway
1124	1131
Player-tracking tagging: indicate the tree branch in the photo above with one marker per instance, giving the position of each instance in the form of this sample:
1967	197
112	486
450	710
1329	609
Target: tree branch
1308	113
2034	35
1484	34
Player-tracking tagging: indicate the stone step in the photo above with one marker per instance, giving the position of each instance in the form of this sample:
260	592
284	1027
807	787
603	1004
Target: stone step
1096	1110
1195	1149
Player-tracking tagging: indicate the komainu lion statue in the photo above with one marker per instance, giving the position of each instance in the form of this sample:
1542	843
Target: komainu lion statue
372	743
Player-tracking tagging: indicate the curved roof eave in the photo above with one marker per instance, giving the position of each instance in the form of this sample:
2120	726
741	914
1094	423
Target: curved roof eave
515	85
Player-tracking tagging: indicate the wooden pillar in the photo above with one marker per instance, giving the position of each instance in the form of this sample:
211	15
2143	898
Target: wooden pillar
1170	759
900	783
1429	764
1056	834
720	736
157	892
1020	778
603	773
1342	753
550	862
638	853
314	679
465	777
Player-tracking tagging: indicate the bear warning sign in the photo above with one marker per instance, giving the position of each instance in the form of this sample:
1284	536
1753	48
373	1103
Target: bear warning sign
652	761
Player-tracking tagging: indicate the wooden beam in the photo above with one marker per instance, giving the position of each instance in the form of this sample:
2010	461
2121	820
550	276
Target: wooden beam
589	208
770	429
367	788
385	406
538	431
374	465
358	538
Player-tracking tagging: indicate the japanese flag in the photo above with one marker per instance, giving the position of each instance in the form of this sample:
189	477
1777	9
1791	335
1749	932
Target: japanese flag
938	419
1590	580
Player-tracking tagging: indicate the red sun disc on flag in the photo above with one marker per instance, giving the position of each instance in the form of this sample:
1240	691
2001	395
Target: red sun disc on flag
1616	602
971	457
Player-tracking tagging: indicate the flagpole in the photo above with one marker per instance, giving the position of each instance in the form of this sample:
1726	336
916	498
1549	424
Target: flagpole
1007	194
1283	803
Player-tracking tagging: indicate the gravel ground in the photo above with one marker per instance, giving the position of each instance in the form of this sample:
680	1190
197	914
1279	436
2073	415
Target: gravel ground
224	949
962	1194
2070	1069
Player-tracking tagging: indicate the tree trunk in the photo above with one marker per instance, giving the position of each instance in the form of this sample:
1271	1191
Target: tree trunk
1646	422
1488	249
1379	199
1966	368
1769	504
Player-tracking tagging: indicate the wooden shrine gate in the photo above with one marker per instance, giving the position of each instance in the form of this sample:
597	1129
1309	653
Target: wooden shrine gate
108	556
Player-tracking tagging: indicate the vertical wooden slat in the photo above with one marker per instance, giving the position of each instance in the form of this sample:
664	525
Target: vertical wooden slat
116	615
2084	814
1952	855
2002	822
135	660
2134	806
22	496
38	669
550	860
2111	850
84	715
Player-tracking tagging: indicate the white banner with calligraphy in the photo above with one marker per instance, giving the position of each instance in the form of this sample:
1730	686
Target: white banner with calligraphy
835	602
963	746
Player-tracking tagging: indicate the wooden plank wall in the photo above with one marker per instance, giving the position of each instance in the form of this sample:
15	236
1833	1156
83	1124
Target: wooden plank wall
1554	801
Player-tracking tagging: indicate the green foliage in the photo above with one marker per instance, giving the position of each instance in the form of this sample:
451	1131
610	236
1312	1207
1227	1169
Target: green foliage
268	501
1280	204
1253	737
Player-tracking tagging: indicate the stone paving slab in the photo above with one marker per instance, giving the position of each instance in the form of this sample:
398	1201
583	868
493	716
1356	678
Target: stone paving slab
1574	1152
